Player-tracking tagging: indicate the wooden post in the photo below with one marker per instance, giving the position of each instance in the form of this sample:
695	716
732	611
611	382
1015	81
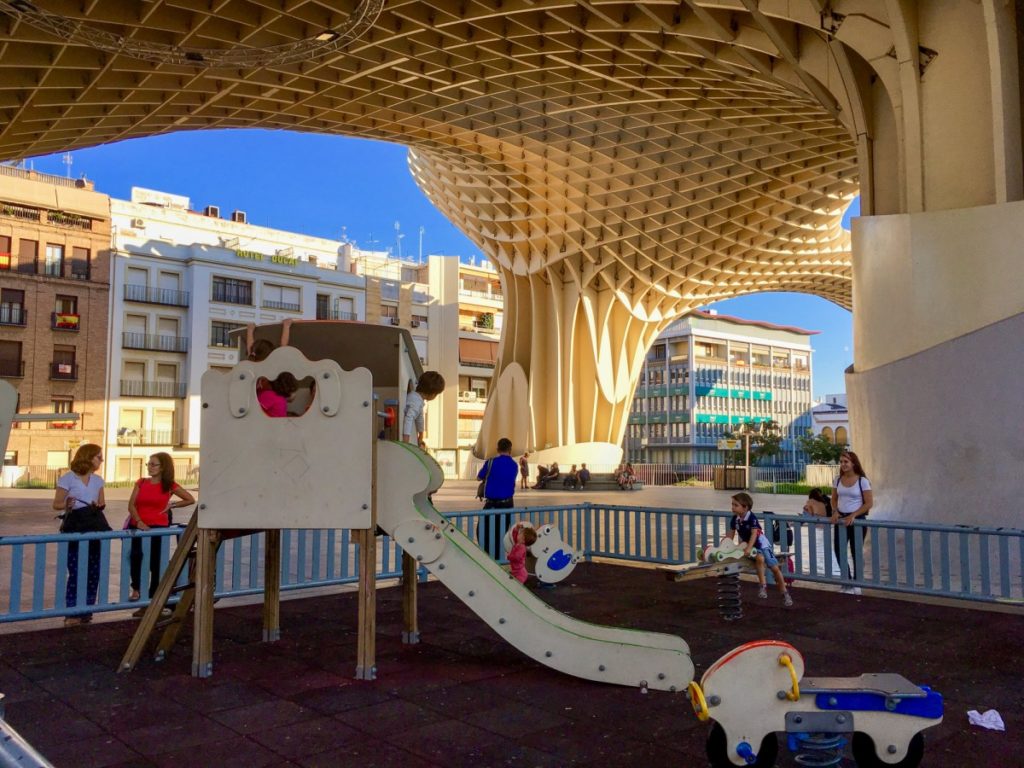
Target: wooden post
366	663
411	632
272	586
202	629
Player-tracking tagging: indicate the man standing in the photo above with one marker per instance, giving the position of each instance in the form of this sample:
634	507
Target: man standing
499	475
524	472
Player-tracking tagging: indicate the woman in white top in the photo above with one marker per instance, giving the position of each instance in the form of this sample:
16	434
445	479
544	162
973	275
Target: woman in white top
851	498
75	490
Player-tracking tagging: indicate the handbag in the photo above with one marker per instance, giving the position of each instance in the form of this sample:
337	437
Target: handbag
87	519
481	489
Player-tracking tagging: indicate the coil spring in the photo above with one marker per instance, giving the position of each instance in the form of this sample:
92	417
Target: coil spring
730	602
817	750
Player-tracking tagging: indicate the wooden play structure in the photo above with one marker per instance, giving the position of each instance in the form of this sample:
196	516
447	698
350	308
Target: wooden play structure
320	466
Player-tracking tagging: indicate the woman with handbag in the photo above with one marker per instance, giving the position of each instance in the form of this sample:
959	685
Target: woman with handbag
80	495
150	506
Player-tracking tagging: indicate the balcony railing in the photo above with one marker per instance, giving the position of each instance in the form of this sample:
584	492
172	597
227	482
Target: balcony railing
334	314
476	363
65	321
19	212
73	220
282	305
63	371
136	388
13	314
232	294
12	369
150	437
146	295
154	342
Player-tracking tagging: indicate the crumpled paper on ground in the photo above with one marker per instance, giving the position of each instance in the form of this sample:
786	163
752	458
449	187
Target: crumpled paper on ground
990	719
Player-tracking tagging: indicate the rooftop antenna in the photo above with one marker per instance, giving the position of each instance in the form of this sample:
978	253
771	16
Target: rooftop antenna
344	234
67	160
419	259
398	238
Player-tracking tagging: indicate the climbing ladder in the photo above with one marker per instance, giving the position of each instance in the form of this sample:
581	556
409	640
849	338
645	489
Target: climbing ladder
197	549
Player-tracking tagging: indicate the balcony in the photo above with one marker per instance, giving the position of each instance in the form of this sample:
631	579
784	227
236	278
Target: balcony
154	342
69	424
13	314
137	388
282	305
72	220
65	321
164	296
475	362
12	369
19	212
148	437
232	295
63	371
334	314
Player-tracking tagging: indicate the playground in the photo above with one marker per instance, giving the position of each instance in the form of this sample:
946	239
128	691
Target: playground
775	675
465	697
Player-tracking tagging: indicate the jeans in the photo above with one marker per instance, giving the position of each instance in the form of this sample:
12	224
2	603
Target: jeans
492	529
92	576
851	543
155	550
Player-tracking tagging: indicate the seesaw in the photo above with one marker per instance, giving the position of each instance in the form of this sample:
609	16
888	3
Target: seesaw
725	561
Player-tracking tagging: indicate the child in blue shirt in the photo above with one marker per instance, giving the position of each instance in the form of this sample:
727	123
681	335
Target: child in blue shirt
749	533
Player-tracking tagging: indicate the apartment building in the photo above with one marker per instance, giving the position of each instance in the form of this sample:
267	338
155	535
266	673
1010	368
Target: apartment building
707	374
465	318
54	297
183	280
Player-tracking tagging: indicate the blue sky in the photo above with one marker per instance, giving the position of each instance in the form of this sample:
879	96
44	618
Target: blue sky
333	186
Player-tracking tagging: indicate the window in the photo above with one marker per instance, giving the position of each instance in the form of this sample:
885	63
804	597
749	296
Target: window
10	458
80	263
323	306
219	331
841	438
63	404
6	258
11	363
12	307
410	275
28	254
65	313
388	310
232	291
281	297
54	260
64	366
346	309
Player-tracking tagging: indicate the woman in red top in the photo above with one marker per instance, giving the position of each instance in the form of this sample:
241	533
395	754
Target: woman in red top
149	507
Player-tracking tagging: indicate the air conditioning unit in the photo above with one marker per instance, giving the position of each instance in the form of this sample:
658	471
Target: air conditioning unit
212	211
238	217
415	324
138	223
468	395
394	321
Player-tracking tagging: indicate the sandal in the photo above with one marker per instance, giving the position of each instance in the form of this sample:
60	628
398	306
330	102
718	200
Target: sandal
134	596
71	621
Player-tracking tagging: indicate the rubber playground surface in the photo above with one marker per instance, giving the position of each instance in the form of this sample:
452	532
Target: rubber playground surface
464	697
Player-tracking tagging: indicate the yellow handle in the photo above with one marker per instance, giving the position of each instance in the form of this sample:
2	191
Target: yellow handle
787	662
700	707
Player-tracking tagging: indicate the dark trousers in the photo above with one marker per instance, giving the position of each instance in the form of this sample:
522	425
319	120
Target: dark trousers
851	543
492	529
155	550
92	581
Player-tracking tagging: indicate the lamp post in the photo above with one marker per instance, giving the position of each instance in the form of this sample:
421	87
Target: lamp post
748	430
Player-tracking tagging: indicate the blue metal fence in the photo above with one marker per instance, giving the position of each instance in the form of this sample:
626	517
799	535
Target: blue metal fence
965	562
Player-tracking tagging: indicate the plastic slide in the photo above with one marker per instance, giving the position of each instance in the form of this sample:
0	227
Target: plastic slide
591	651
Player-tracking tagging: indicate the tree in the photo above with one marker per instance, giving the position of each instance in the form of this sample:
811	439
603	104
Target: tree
765	441
819	449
